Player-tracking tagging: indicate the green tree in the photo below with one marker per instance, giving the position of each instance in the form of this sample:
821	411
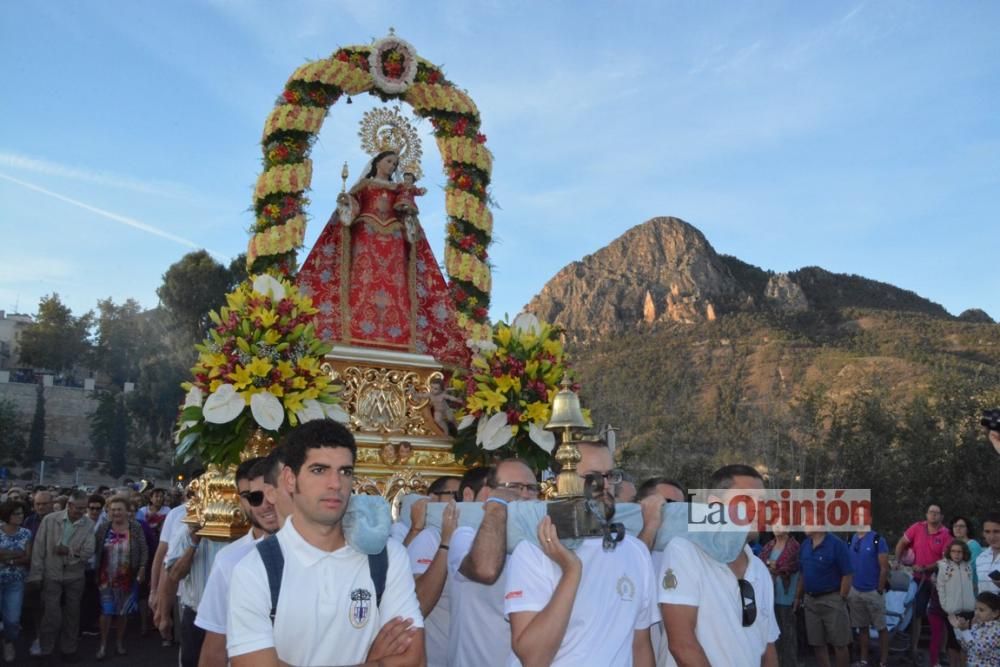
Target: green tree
36	437
124	339
110	431
57	340
192	287
11	432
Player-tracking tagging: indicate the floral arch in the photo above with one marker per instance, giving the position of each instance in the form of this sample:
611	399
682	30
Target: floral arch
391	70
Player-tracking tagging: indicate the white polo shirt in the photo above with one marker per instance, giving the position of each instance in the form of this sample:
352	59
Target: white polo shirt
479	634
657	634
988	561
422	550
193	585
213	610
615	598
688	576
174	517
326	612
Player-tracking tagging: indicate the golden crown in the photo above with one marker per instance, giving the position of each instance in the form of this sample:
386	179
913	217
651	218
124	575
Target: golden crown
386	129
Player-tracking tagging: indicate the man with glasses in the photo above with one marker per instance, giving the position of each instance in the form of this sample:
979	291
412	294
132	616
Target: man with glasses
213	611
428	553
62	547
587	606
478	634
719	613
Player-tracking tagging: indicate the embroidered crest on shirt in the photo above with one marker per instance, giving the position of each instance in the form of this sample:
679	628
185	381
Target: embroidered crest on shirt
669	580
361	605
625	588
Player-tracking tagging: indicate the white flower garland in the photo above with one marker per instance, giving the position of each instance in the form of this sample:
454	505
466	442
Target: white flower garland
384	83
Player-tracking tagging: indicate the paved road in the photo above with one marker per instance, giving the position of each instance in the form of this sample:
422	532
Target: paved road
142	651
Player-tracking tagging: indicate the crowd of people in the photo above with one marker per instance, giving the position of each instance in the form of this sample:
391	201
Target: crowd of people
301	589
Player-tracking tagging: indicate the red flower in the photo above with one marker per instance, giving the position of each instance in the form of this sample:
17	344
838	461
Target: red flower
343	57
289	96
434	76
480	138
461	125
480	313
513	416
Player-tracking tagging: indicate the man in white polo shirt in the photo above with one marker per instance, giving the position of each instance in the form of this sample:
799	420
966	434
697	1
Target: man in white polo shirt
718	613
162	591
326	610
479	635
213	611
582	607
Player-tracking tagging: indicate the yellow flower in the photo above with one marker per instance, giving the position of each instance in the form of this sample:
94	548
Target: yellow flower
491	400
277	389
236	300
293	402
267	316
531	369
553	347
286	369
260	367
537	412
271	337
241	377
507	383
503	335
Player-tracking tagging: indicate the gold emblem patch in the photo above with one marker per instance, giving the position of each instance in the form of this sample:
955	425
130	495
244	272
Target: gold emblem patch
669	580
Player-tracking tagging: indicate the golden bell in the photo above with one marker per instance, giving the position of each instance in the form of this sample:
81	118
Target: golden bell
566	411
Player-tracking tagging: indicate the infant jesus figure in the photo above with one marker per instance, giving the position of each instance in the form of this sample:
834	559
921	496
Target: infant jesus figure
441	402
406	193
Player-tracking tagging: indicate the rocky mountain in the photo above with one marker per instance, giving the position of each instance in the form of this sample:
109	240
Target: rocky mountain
816	378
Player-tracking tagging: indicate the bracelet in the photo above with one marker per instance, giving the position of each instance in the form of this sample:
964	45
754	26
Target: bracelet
493	499
443	546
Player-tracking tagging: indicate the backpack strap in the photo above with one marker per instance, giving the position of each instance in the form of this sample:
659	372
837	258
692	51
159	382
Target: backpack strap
274	564
378	566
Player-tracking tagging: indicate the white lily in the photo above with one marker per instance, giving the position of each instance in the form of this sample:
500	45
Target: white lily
500	438
267	285
223	406
311	409
466	421
544	439
481	346
495	425
337	413
267	410
527	323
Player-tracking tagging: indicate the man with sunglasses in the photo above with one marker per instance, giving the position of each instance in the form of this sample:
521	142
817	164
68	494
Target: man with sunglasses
719	613
213	611
478	634
587	606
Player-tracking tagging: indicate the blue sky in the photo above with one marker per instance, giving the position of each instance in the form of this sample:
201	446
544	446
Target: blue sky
862	137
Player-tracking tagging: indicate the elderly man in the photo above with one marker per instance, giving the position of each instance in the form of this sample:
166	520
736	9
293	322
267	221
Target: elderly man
63	545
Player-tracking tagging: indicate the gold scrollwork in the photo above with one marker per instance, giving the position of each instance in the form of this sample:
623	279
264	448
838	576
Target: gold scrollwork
392	488
381	400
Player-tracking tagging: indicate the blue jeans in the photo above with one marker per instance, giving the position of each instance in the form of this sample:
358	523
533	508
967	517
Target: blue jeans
11	597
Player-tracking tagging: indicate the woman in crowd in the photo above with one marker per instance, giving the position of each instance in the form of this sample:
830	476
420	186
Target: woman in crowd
961	529
781	555
121	557
15	557
956	594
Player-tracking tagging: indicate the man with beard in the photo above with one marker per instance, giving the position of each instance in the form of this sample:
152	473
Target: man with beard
306	597
582	607
213	611
718	613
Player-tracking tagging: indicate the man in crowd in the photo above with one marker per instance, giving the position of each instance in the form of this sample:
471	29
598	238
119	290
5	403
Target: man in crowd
824	586
328	608
626	491
869	555
988	561
213	611
63	545
582	607
42	504
704	619
928	539
441	490
162	591
478	634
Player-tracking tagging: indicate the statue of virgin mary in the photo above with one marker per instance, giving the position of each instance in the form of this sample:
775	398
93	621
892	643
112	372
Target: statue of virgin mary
372	284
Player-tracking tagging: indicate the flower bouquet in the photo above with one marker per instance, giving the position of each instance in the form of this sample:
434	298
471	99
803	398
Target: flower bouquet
508	394
258	368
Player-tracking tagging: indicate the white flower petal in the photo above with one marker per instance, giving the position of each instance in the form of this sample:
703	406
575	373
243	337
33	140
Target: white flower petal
337	413
480	427
194	397
267	410
311	409
223	406
544	439
499	439
494	424
527	323
466	422
481	346
268	286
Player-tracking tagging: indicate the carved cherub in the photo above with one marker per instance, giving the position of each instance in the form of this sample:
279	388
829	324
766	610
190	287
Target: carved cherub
441	402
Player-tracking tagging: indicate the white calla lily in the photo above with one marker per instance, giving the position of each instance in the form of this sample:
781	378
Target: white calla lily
544	439
480	427
223	406
267	410
311	409
268	285
493	425
527	323
337	413
500	438
466	422
194	398
481	346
